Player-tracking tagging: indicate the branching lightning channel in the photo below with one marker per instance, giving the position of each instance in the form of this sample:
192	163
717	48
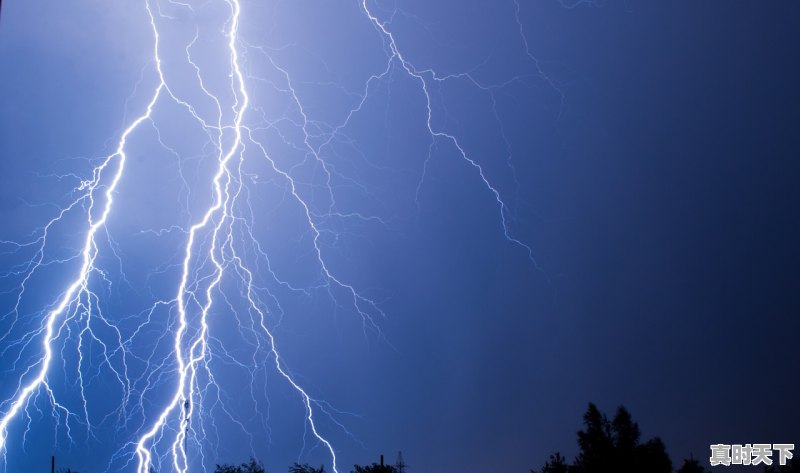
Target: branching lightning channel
79	286
218	244
189	349
420	76
197	348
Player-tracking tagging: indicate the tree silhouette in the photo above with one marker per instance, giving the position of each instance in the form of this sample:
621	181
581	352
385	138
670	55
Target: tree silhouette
252	467
607	446
651	456
596	447
305	468
556	464
374	468
691	466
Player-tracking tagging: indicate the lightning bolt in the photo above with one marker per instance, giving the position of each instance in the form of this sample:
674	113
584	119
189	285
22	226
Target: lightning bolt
113	165
219	244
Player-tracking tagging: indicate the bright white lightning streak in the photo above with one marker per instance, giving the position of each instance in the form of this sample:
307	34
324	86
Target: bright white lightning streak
187	359
190	349
88	255
187	364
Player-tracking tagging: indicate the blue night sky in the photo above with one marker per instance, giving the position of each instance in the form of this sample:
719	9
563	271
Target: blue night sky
645	253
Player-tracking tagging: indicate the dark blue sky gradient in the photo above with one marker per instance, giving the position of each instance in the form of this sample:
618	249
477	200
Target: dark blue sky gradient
660	199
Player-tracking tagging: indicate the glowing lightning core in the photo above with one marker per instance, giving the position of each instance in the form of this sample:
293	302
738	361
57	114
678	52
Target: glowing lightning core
187	355
196	352
79	284
210	246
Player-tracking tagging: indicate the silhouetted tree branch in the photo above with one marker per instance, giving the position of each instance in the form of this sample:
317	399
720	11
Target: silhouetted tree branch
305	468
251	467
556	464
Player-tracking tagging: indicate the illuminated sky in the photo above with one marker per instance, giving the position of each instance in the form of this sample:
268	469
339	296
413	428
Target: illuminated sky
464	221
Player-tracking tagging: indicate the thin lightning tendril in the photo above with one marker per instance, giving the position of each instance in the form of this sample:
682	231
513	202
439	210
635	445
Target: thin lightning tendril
210	252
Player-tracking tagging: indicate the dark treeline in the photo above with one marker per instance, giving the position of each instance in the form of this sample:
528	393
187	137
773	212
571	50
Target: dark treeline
614	445
604	446
255	467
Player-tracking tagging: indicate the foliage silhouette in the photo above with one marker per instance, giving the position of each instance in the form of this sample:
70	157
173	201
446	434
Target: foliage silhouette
606	446
374	468
556	464
252	467
305	468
